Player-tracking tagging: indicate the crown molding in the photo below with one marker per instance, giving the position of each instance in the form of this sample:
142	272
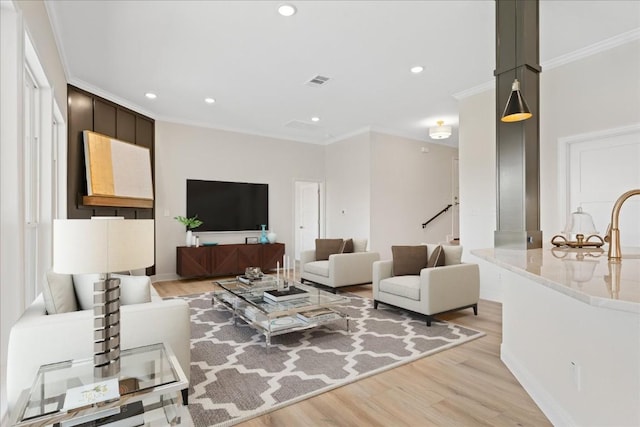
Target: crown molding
475	90
51	14
111	97
601	46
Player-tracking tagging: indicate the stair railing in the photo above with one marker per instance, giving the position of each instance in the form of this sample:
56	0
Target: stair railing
424	224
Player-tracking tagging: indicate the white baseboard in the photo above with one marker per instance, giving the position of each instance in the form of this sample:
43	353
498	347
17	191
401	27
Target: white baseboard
547	404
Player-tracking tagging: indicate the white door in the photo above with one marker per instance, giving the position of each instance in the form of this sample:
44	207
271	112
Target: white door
600	170
307	216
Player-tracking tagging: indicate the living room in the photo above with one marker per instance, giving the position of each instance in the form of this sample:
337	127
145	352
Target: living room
360	171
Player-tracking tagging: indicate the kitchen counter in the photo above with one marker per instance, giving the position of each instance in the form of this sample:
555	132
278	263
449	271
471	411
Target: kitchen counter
583	274
571	330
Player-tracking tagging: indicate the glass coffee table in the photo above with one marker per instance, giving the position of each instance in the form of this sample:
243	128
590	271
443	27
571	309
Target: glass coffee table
261	306
148	387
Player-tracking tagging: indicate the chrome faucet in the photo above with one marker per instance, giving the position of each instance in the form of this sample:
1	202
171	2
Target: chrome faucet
613	233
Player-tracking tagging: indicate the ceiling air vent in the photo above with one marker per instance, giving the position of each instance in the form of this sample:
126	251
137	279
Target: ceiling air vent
318	81
300	125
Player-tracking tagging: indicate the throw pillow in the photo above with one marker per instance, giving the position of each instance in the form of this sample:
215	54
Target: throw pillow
452	254
359	245
437	258
134	289
58	294
347	248
326	247
408	260
83	285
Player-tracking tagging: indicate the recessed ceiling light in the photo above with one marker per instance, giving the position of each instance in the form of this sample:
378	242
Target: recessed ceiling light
286	10
315	119
209	100
151	95
417	69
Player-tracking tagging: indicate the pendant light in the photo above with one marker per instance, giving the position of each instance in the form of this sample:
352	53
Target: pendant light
516	109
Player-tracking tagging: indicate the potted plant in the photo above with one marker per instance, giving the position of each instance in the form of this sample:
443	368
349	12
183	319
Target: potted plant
190	223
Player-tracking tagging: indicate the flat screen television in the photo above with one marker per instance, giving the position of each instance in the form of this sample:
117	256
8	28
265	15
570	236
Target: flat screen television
228	206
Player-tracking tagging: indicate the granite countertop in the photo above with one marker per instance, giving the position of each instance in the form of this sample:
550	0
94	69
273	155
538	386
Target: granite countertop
584	274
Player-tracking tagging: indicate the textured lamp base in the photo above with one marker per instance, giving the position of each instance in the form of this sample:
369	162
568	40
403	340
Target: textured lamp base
106	309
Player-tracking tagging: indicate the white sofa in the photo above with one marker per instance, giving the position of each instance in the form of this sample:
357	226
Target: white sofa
39	338
435	290
342	269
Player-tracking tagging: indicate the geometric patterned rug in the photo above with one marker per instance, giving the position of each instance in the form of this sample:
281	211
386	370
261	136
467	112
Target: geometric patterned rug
234	378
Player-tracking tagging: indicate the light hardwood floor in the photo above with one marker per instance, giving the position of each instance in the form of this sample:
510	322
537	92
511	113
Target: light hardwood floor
467	385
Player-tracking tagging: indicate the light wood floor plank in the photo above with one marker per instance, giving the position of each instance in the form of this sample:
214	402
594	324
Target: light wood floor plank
467	385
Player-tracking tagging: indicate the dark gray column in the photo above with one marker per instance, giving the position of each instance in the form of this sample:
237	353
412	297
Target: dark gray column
517	143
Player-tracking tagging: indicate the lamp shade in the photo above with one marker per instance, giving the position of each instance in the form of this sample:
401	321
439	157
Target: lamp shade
440	131
516	109
102	245
580	223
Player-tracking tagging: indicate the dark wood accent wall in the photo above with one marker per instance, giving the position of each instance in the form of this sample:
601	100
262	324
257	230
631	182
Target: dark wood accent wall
87	111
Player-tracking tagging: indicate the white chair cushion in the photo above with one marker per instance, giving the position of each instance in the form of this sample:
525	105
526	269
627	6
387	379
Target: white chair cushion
58	293
320	268
359	245
134	289
83	285
402	286
452	253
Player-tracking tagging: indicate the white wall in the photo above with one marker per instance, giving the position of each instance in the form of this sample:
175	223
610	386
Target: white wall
188	152
407	188
592	94
348	187
16	18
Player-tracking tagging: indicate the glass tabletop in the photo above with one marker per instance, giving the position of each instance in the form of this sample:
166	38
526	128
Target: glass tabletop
142	369
254	295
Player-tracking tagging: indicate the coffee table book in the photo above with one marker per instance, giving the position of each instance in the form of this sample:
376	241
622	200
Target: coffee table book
291	293
317	315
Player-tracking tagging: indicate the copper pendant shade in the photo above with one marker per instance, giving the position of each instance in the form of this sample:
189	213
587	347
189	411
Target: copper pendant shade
516	109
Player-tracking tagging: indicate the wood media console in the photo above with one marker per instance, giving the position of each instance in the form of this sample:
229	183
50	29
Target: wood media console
226	260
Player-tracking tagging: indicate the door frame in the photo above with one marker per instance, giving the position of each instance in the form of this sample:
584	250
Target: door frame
321	213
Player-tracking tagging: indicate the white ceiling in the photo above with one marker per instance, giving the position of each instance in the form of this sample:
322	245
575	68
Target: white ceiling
255	63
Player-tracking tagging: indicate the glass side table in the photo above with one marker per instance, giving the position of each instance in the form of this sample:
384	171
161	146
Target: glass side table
149	374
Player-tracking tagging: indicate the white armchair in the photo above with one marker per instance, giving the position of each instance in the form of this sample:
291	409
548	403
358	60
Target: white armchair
341	269
435	290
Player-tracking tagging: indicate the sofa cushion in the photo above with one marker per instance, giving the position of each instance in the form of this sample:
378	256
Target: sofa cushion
58	293
320	268
134	289
402	286
359	245
326	247
436	259
83	285
347	247
452	254
408	259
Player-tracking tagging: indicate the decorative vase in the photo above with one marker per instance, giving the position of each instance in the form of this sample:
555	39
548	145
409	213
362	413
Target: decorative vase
263	235
271	236
189	239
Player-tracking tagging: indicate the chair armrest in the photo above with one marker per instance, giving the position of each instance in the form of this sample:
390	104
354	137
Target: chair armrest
352	268
381	270
307	257
450	286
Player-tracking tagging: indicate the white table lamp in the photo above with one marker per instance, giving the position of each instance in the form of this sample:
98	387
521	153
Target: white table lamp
103	245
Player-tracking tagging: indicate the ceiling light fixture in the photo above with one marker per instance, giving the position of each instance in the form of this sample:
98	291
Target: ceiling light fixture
417	69
286	10
151	95
440	131
516	109
209	100
315	119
